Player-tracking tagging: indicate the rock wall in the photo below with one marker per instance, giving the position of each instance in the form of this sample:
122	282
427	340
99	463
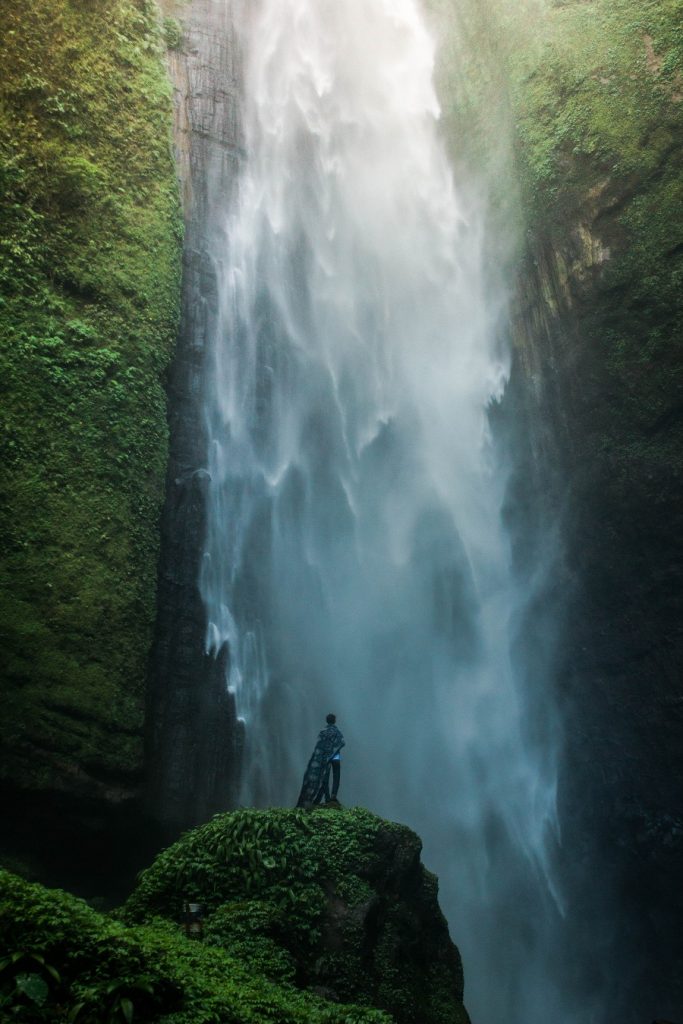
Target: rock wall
90	238
194	741
591	96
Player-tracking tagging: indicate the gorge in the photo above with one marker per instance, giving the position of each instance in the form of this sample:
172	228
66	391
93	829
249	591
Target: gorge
424	454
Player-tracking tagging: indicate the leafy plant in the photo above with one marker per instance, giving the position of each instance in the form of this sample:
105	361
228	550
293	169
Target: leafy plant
26	982
112	974
114	1001
173	33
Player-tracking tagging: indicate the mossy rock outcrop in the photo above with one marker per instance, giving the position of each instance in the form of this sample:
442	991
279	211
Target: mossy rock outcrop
336	902
325	917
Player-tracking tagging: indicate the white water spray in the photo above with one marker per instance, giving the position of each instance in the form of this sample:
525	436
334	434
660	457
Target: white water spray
355	559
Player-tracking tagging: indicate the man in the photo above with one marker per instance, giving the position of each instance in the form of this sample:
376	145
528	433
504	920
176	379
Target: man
335	764
325	756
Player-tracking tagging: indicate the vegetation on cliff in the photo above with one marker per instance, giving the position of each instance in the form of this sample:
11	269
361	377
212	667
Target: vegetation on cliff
591	97
90	238
596	94
326	917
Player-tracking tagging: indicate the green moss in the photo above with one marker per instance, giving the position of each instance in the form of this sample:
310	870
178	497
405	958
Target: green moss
173	33
597	101
584	91
89	285
590	95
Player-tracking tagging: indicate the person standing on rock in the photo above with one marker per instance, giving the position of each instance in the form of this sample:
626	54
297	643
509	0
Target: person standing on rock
325	756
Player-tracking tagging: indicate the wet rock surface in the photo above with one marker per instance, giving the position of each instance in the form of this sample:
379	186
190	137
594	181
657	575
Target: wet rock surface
579	106
193	738
603	417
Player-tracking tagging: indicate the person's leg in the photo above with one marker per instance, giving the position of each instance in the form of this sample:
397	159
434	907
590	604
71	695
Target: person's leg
336	773
324	790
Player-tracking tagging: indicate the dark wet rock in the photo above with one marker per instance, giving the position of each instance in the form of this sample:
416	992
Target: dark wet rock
586	125
193	737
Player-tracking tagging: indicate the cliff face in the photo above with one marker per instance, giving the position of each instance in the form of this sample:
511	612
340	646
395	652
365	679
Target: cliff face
602	310
193	748
592	93
90	240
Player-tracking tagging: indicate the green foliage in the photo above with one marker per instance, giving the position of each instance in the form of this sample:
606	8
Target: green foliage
90	236
306	897
26	981
255	852
275	857
252	931
584	92
113	1001
590	95
173	33
597	97
102	971
294	901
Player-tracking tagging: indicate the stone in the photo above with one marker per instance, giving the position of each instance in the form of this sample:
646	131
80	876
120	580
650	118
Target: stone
194	740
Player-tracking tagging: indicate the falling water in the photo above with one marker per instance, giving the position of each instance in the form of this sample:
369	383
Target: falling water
356	559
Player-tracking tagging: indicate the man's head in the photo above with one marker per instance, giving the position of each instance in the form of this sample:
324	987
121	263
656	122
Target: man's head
331	719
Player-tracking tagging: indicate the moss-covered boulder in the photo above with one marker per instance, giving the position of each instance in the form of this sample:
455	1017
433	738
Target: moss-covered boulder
90	240
326	917
334	902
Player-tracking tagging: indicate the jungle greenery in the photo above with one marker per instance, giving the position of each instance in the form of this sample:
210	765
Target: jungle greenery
68	963
297	905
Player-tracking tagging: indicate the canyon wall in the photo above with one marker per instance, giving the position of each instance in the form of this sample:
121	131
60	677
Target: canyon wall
96	144
581	104
194	740
568	115
90	240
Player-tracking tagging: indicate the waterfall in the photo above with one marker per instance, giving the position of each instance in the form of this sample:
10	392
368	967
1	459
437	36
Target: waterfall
356	559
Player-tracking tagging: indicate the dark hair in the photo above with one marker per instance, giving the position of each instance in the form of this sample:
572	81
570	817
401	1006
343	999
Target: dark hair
331	719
